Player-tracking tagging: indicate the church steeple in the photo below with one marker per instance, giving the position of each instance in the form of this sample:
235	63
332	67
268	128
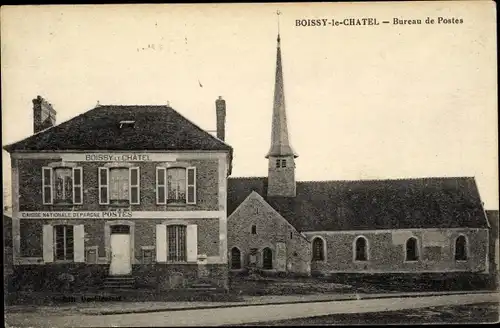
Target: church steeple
280	140
281	156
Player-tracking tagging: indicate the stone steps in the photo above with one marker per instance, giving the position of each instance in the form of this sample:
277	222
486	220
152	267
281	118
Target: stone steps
119	282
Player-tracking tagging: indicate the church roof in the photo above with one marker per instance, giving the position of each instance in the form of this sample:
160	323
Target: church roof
101	128
372	204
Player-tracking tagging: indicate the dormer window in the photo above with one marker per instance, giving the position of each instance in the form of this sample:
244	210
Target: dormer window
127	124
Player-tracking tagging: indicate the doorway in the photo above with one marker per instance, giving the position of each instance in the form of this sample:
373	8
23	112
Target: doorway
121	263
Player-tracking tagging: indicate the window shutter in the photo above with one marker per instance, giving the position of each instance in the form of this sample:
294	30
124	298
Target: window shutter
161	243
103	185
192	242
161	186
47	185
48	243
134	182
191	185
79	243
77	185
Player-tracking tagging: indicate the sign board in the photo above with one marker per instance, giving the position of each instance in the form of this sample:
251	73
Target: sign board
75	214
119	157
121	214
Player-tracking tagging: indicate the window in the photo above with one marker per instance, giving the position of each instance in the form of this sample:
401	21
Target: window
291	235
63	242
254	229
267	258
119	185
412	249
235	258
461	249
62	185
128	123
361	249
280	163
318	249
176	241
176	185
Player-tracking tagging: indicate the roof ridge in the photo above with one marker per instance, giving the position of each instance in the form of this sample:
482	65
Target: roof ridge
199	128
49	128
387	179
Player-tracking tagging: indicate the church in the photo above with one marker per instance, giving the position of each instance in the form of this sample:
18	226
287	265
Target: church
278	225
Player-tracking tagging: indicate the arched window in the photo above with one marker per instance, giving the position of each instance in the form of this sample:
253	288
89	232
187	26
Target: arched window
254	229
235	258
318	249
267	258
361	249
412	249
461	249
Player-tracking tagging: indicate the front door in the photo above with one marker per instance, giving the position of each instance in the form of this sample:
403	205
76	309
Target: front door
120	254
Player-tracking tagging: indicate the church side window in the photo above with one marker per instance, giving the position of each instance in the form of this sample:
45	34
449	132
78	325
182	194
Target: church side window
461	249
412	249
318	250
361	249
267	258
235	258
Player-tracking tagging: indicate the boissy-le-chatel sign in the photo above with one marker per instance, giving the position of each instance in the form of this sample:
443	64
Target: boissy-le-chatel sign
110	157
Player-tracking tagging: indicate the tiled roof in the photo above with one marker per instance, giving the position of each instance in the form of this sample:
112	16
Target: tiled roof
155	128
372	204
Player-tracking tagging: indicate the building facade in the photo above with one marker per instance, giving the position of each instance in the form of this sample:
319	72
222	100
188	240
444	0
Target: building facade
120	191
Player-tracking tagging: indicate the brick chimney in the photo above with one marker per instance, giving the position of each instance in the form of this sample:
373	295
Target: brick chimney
220	108
44	116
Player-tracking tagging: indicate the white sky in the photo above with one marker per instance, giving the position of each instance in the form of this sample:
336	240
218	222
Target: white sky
363	102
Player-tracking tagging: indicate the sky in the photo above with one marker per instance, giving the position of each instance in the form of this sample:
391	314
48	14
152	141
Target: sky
363	102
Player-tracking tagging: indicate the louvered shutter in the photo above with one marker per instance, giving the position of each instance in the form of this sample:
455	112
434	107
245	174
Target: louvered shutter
79	243
48	243
161	243
192	242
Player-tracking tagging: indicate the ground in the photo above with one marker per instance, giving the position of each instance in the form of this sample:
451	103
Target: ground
275	313
464	314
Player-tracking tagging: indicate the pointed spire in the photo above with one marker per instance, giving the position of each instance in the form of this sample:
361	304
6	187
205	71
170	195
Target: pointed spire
280	142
